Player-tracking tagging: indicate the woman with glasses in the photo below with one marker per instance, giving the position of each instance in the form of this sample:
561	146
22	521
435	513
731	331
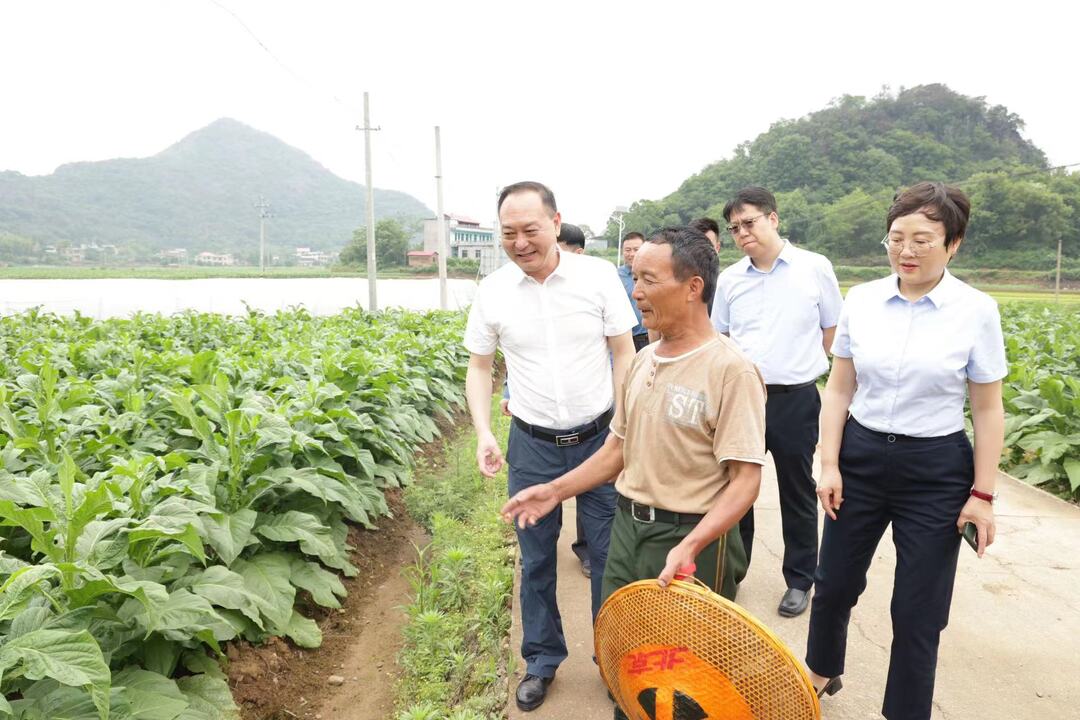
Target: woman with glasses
908	349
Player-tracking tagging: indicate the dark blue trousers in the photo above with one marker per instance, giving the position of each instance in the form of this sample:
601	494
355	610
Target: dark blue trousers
533	461
919	485
791	434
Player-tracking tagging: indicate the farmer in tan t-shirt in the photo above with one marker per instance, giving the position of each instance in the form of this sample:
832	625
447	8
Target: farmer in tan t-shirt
687	442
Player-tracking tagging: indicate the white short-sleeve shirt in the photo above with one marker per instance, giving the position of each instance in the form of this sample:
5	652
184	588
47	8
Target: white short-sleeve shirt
554	337
913	359
776	317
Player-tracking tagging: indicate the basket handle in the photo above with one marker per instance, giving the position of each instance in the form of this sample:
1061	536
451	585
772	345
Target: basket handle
686	574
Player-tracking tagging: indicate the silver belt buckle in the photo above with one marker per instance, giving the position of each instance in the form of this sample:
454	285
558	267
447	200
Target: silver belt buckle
650	517
567	440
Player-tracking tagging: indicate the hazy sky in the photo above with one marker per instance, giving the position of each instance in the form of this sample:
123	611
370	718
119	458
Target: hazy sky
606	102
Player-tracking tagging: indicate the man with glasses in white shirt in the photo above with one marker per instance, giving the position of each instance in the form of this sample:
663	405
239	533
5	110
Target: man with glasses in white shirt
556	316
780	305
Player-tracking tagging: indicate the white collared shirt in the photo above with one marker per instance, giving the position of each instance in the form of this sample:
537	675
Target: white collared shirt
776	317
554	337
913	359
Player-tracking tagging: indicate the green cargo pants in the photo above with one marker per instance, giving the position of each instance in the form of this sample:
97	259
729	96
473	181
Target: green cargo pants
638	551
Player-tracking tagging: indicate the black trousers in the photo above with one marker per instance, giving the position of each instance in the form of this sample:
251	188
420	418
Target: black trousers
919	485
791	433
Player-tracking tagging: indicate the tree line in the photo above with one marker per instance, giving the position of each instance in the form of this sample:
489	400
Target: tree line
835	172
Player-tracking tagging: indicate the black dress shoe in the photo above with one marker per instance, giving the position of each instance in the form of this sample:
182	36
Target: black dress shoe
832	687
582	551
531	692
794	602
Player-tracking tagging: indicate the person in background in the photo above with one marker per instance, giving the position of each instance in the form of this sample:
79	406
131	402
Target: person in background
909	350
571	239
711	229
780	305
631	243
563	324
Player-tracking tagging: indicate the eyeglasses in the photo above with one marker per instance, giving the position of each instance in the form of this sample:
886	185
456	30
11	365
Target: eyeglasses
746	224
919	247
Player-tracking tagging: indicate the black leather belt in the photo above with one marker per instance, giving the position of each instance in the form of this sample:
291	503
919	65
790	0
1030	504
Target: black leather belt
648	514
779	389
564	438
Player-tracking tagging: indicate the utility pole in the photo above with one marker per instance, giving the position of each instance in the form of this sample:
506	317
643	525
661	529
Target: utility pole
442	221
264	212
373	304
1057	275
618	215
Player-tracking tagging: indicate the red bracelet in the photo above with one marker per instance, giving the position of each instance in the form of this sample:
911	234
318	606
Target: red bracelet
988	497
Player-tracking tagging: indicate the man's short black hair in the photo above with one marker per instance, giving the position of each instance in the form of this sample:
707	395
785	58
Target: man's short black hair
691	254
939	202
546	196
633	234
571	235
704	224
754	195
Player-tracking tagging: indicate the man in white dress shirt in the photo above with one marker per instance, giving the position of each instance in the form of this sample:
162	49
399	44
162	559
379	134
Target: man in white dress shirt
556	316
780	305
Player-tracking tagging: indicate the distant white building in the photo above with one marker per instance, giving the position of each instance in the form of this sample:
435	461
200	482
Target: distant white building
306	257
466	239
209	258
176	256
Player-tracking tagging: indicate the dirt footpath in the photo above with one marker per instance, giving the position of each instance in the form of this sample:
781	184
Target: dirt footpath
1010	651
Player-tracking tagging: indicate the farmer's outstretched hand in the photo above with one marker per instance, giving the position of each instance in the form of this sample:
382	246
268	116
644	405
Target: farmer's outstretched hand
527	507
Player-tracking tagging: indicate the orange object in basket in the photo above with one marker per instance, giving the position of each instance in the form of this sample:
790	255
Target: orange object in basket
685	653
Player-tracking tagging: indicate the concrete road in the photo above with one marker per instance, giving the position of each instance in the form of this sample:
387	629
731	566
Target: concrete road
1011	651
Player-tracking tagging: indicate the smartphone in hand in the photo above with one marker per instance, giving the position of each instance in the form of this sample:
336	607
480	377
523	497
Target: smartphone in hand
971	535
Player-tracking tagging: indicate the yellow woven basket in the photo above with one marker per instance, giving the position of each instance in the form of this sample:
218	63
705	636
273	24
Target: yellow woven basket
685	653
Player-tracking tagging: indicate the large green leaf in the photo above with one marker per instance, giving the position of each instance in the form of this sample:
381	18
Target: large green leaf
229	534
182	616
1048	444
70	658
208	697
303	631
294	526
101	544
267	577
33	520
94	503
151	595
1072	470
17	590
150	696
225	588
322	585
25	490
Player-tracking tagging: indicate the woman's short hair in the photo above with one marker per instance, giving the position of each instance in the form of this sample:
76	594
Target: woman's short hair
937	201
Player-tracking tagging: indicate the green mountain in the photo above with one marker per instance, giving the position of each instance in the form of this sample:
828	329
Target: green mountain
199	194
835	171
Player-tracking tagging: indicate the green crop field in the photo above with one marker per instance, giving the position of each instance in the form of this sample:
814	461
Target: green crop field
170	484
1042	396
